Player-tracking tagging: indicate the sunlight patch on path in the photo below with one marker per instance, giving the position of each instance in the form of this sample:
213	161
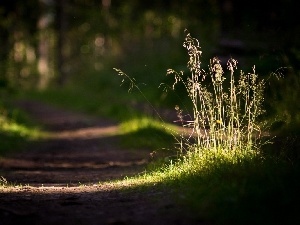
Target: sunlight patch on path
85	133
51	189
46	190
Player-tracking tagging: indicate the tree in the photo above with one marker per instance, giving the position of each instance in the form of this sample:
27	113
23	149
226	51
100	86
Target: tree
18	28
61	29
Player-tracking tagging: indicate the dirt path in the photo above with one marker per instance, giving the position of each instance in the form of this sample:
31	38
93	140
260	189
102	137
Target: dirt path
62	177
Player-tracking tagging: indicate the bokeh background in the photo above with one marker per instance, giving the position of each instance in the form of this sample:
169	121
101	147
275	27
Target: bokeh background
65	44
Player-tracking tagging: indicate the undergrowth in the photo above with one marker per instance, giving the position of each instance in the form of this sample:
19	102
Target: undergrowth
224	114
146	132
16	131
222	174
222	118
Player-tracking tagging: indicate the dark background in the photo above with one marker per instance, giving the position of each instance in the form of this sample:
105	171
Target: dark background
47	43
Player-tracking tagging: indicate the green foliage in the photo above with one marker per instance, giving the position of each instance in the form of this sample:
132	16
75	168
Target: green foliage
282	101
147	133
235	187
242	190
15	132
221	177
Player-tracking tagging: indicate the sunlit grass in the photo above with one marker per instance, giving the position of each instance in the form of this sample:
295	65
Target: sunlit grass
224	176
3	182
136	124
148	132
12	127
229	187
14	134
192	164
232	188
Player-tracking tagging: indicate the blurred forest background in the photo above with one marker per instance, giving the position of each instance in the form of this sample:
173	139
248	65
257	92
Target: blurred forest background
63	52
63	43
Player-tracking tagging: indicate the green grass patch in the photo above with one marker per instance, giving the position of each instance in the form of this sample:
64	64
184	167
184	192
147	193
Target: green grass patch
223	175
14	134
146	132
234	188
252	191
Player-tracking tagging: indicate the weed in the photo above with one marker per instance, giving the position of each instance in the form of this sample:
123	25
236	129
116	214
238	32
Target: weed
221	177
132	85
3	181
222	119
225	108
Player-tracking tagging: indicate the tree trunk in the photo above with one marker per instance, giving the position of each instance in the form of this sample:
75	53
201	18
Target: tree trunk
61	27
43	64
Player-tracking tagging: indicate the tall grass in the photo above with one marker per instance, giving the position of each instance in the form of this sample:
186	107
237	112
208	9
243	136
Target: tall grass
221	178
226	105
224	124
225	114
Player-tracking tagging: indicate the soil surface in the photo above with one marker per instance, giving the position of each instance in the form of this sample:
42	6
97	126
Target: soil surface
63	177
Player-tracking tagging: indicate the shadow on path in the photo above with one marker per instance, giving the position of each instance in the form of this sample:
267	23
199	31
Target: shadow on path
61	175
79	150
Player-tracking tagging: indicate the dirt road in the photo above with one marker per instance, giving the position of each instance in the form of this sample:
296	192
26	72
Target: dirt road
63	177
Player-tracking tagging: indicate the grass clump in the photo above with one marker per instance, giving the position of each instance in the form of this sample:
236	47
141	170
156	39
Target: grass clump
224	113
225	109
222	174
